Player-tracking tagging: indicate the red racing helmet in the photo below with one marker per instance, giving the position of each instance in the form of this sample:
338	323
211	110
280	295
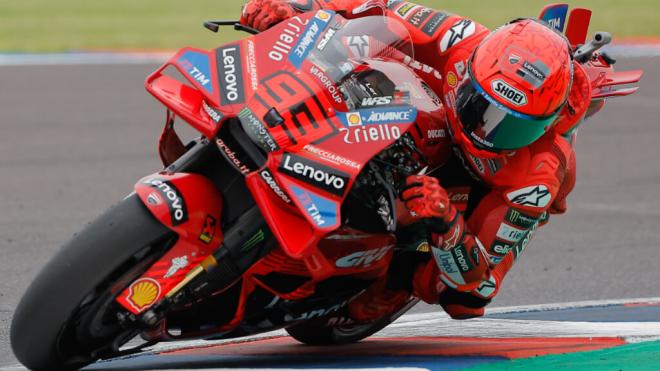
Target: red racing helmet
518	81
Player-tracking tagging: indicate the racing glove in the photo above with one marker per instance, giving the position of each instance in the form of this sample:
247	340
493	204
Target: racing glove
460	259
262	14
427	200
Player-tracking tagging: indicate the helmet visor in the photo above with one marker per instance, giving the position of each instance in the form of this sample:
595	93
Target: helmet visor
494	127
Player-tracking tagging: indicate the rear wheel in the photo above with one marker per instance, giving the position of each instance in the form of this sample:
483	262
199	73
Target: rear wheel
68	313
314	333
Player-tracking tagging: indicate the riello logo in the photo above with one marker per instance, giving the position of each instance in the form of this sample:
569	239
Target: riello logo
311	172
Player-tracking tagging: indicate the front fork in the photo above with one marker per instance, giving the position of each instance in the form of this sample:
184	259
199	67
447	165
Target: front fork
202	257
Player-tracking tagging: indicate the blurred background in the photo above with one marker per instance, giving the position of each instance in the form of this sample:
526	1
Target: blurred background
63	25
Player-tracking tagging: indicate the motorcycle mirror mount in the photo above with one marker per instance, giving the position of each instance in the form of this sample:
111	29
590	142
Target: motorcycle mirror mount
586	51
214	26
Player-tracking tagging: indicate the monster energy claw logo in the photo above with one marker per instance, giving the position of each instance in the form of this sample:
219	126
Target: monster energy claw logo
253	241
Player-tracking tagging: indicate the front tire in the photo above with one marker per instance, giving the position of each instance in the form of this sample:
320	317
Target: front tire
47	329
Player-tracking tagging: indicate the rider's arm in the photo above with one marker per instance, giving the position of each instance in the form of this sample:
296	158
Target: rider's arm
476	252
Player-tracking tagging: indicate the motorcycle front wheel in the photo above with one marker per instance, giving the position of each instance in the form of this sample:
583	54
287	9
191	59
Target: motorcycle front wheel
68	316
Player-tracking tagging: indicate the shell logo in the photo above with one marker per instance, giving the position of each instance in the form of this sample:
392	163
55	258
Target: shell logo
354	119
452	80
324	16
143	293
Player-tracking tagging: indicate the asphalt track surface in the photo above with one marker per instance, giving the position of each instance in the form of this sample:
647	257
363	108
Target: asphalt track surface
74	139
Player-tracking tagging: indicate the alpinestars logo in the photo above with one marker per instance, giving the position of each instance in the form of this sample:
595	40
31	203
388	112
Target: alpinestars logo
533	196
457	33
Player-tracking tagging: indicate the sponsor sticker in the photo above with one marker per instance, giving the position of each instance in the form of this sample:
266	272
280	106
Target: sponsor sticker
434	97
451	240
460	69
487	287
143	293
153	199
391	4
285	41
362	258
230	72
326	38
323	212
314	173
452	80
359	46
420	16
230	155
508	233
515	217
433	24
448	266
532	196
500	247
458	194
534	73
253	241
436	133
508	92
405	9
274	186
173	198
208	230
460	31
376	101
214	114
257	130
385	115
177	264
309	37
331	157
327	83
353	119
419	66
197	66
372	133
478	164
520	246
461	257
252	65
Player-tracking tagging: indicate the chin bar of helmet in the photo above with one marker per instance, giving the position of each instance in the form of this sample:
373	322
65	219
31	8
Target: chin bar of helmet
586	51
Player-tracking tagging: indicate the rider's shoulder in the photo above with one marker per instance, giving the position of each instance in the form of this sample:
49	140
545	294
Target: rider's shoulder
531	177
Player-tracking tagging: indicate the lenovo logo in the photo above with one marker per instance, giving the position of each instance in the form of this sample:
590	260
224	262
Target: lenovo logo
230	72
321	176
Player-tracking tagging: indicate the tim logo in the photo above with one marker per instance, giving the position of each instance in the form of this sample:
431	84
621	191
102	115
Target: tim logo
555	23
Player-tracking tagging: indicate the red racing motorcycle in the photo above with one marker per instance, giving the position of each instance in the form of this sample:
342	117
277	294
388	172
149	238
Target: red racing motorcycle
283	211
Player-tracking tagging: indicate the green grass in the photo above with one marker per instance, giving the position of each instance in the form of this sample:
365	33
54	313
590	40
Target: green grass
57	25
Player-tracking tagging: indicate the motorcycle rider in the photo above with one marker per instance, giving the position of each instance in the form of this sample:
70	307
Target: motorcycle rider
511	97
